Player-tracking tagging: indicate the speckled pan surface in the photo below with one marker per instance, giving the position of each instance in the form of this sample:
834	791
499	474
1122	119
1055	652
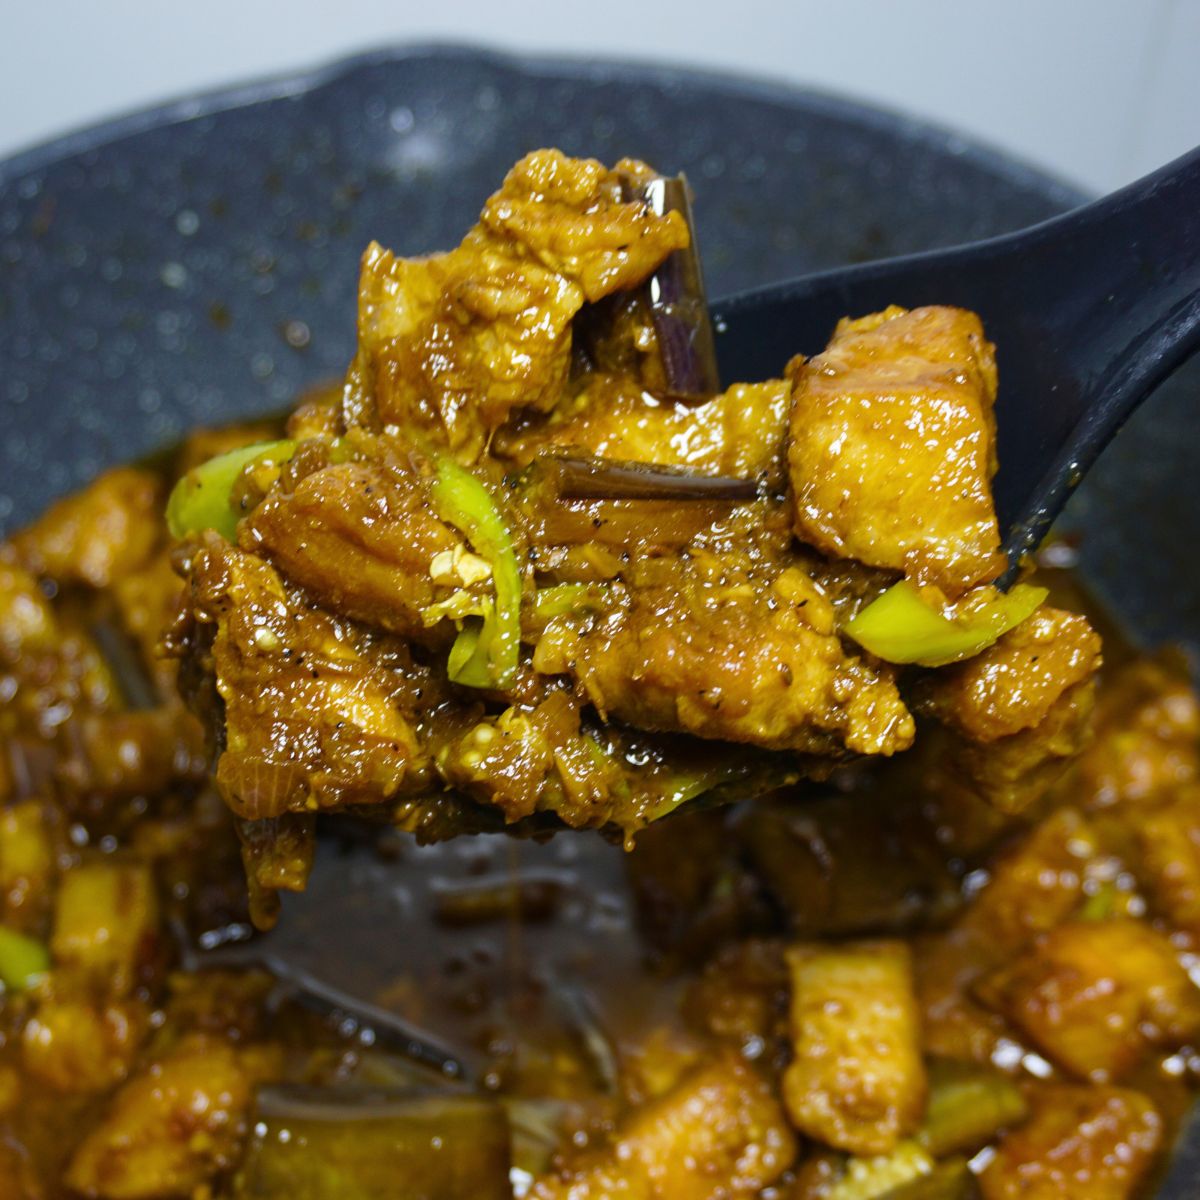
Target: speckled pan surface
197	263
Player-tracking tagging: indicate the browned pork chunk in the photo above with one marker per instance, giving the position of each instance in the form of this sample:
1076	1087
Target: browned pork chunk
1093	1142
701	649
1020	710
1095	995
892	446
740	432
310	717
449	345
171	1128
1169	868
857	1080
718	1133
96	535
363	539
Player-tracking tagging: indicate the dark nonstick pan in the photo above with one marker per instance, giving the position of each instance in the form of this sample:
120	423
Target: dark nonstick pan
196	263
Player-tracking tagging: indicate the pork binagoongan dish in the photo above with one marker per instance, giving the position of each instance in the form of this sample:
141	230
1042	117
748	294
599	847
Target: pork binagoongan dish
913	878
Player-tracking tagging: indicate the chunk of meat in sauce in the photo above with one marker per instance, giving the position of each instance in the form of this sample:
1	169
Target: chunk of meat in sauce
174	1126
310	719
1094	996
1094	1142
741	432
1147	744
362	539
451	344
892	446
1035	885
1014	684
857	1080
72	1043
703	650
1168	862
106	922
99	533
1020	711
718	1133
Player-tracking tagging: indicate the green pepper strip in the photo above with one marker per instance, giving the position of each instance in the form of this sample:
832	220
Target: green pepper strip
967	1110
22	960
202	499
878	1178
484	654
1101	904
559	599
900	627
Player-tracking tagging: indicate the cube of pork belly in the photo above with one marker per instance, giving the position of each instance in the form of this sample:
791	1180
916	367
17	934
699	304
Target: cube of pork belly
1035	886
1020	711
1013	773
1168	866
1014	684
892	446
106	922
1080	1141
361	538
718	1134
742	431
751	660
1147	744
1094	996
171	1129
572	215
76	1043
451	343
314	712
857	1080
96	535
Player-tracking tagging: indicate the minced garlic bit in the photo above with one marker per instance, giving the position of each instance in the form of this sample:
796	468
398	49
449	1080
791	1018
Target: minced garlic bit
459	566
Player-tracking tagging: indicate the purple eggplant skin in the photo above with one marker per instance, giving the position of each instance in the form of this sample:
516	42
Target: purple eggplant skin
581	476
677	300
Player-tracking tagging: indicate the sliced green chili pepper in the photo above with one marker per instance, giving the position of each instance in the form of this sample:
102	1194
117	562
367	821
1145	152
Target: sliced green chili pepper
485	653
876	1178
22	959
202	498
1101	904
901	627
562	598
950	1180
967	1108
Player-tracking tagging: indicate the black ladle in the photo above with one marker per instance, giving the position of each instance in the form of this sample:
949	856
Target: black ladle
1090	312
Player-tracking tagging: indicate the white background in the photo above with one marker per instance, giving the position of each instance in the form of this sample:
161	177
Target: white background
1099	91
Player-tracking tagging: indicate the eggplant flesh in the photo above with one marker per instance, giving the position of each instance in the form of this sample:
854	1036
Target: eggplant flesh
310	1143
